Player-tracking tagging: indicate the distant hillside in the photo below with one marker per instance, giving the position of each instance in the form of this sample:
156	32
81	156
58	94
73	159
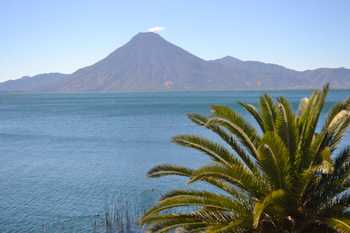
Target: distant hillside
148	62
40	82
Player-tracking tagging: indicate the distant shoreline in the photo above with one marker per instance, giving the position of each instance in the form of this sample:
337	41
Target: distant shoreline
164	91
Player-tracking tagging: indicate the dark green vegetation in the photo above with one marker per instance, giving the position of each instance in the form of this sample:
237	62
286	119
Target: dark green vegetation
286	176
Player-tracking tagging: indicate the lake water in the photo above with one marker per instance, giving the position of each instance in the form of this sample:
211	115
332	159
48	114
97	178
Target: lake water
64	157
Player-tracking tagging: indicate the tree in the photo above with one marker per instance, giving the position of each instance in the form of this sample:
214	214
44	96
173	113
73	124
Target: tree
287	175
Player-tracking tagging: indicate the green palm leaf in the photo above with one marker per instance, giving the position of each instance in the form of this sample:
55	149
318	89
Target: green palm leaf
287	178
340	225
274	198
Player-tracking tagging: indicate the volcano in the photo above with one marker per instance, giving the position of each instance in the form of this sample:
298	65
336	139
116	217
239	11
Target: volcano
149	62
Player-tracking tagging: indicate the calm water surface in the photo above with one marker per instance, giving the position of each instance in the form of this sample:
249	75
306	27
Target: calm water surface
64	156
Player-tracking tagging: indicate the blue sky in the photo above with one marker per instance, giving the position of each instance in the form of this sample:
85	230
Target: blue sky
38	36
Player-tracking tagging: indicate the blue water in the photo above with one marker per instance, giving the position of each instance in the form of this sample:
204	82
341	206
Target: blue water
64	156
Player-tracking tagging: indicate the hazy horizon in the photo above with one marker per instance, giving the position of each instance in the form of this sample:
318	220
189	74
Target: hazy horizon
41	37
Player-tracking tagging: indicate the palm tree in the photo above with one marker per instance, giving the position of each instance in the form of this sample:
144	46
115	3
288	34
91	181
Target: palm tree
286	176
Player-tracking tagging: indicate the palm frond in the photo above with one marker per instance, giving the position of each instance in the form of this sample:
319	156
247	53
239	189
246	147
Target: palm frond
268	112
191	198
215	151
274	198
237	131
235	175
169	169
340	225
284	177
255	113
230	140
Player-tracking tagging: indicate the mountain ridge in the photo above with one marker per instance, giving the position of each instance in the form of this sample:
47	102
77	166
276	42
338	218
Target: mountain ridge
149	62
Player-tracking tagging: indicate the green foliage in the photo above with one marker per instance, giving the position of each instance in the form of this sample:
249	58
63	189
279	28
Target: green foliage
283	177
